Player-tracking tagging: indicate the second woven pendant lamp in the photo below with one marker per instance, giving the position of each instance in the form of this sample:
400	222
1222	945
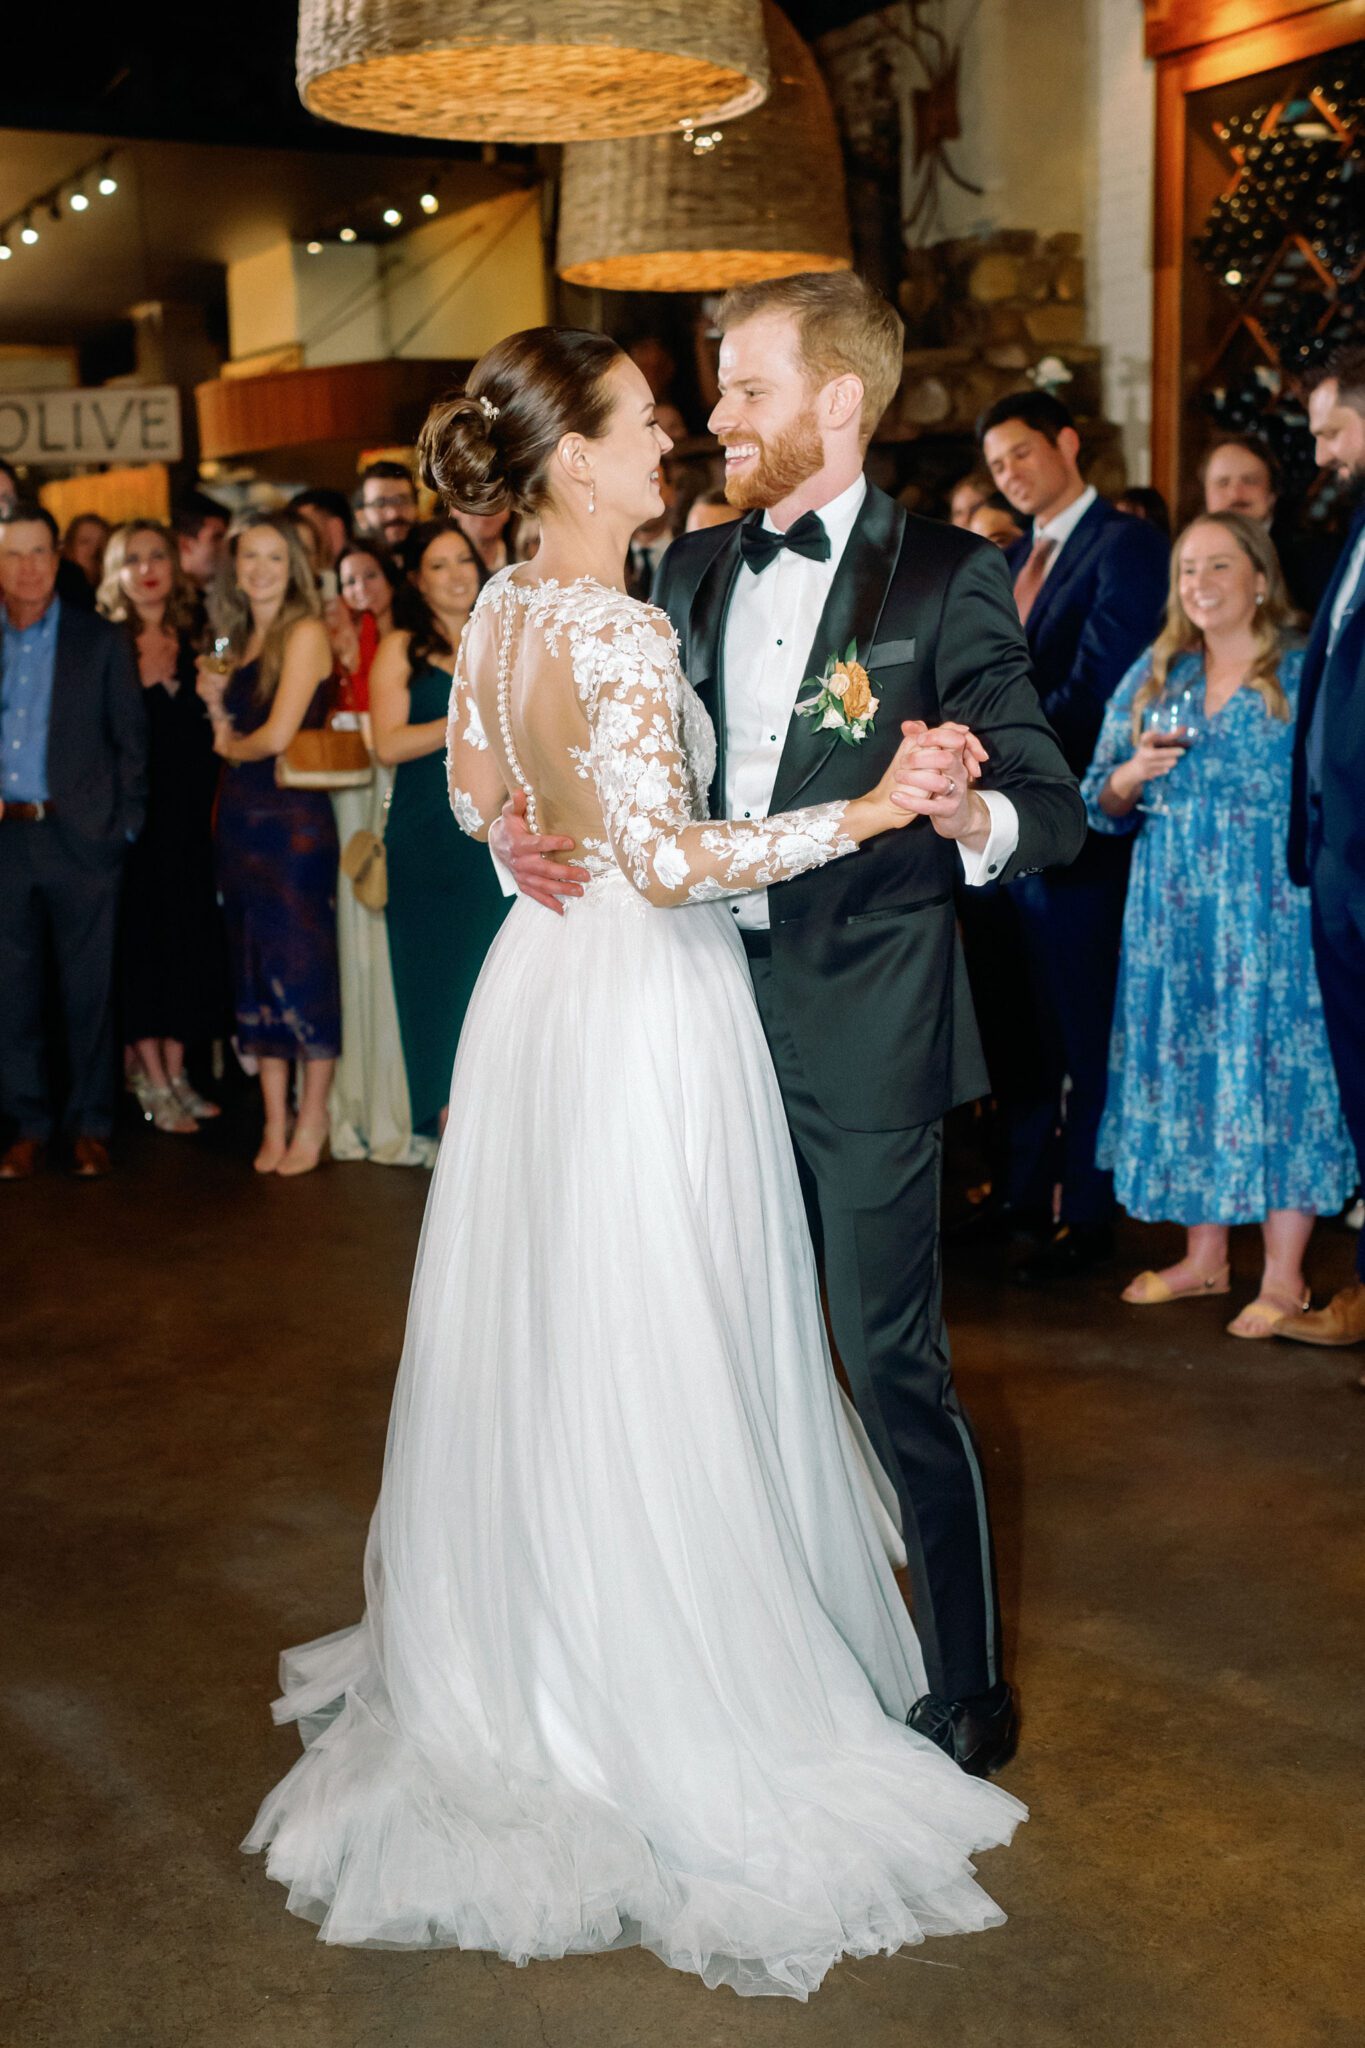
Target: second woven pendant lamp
653	215
530	70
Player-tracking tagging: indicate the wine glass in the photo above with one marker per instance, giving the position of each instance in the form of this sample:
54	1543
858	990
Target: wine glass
1177	721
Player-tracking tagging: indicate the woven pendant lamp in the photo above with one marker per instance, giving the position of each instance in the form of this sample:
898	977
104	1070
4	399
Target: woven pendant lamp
530	70
652	215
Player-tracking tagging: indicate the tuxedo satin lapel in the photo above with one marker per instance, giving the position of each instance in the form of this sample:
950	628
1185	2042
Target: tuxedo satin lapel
852	611
706	645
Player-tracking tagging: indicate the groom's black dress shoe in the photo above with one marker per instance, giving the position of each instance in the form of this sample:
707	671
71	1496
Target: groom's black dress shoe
980	1734
1072	1249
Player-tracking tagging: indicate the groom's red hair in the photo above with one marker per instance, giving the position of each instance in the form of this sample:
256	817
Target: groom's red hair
843	326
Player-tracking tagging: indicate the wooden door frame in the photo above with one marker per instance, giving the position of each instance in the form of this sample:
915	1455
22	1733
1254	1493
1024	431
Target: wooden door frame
1305	30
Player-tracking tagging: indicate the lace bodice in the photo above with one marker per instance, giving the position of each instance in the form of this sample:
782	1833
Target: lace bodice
574	693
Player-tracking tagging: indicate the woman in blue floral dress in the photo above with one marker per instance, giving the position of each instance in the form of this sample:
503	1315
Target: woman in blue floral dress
1222	1104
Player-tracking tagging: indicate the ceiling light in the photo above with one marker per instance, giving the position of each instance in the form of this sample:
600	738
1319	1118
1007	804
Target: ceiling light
314	248
429	202
28	233
346	235
5	252
78	202
108	184
392	217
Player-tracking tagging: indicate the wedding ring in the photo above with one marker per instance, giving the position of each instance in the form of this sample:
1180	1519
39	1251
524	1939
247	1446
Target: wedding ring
952	787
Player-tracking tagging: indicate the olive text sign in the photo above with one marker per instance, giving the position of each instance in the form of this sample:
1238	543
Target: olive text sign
132	423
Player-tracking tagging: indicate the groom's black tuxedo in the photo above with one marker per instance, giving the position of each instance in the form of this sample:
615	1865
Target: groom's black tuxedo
874	937
862	990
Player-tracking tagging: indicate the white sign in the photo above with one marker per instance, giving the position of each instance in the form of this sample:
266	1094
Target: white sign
132	423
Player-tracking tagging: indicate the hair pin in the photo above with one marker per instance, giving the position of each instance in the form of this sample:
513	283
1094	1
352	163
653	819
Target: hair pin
487	407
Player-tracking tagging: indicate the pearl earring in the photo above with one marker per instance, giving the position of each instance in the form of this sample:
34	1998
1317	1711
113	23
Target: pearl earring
592	494
1260	597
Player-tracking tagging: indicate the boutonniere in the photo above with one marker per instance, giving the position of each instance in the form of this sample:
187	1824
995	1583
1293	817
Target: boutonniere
843	700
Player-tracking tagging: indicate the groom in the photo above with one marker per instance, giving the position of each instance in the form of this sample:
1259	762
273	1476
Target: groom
856	966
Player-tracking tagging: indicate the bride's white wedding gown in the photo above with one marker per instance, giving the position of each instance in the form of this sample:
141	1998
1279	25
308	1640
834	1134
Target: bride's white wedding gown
633	1666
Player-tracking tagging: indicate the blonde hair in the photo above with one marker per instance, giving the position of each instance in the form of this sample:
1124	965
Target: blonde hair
843	326
1179	635
230	612
182	605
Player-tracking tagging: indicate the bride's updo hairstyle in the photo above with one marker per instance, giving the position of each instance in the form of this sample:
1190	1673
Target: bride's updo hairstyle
491	447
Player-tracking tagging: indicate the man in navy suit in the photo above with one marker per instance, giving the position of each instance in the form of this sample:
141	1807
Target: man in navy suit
1091	589
1327	812
73	794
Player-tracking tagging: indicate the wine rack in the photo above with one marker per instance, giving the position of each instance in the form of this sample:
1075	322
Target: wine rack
1283	245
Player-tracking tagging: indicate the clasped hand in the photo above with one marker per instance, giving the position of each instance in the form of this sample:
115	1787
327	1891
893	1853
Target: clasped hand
934	772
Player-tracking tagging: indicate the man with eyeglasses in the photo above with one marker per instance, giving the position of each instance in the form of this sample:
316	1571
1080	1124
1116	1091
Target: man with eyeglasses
386	505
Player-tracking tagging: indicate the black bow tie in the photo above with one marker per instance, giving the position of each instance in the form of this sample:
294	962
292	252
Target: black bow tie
759	545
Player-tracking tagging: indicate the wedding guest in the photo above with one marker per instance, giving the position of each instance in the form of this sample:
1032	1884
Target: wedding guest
1222	1106
1090	587
995	522
386	505
328	513
491	534
174	972
1327	822
1140	501
84	543
368	1109
966	494
1239	473
277	847
445	904
370	580
73	794
200	526
710	508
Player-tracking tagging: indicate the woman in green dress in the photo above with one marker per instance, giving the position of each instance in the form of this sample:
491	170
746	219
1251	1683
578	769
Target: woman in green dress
445	902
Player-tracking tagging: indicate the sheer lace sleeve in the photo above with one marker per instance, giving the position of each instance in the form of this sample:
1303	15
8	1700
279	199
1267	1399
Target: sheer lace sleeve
627	677
475	782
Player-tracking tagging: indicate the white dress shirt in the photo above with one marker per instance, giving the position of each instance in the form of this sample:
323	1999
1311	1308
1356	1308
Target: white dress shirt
769	629
1060	529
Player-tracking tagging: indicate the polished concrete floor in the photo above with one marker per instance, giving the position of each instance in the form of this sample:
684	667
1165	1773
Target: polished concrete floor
196	1373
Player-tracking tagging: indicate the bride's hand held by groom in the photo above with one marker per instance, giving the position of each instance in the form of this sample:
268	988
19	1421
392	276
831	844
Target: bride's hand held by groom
933	776
533	858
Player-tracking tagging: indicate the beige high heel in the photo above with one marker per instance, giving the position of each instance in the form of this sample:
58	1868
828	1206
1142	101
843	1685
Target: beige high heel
303	1157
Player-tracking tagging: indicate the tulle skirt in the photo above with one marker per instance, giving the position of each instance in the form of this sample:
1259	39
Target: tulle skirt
633	1667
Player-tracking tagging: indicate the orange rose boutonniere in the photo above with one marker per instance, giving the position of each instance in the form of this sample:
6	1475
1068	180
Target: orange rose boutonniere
844	701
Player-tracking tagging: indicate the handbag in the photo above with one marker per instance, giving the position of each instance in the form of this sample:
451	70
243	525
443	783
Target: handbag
332	755
364	860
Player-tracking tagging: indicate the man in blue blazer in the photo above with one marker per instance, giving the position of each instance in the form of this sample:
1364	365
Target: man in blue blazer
1327	809
73	794
1091	588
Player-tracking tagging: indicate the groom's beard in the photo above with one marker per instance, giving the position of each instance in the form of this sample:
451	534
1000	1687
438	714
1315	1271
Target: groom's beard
782	467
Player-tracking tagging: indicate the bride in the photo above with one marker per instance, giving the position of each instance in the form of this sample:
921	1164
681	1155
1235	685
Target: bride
634	1667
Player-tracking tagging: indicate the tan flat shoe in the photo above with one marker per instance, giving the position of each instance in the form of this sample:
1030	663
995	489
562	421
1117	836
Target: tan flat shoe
1341	1322
1263	1317
1149	1290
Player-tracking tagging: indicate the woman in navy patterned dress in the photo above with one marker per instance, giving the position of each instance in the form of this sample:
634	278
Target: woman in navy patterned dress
277	848
1222	1104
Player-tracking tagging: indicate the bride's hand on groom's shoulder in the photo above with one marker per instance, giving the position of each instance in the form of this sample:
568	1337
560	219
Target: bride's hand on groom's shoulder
530	858
933	774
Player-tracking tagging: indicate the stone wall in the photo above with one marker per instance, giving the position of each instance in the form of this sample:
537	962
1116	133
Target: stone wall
982	316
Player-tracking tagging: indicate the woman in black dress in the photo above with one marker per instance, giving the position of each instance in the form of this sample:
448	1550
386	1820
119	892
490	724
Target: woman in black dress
277	848
174	951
